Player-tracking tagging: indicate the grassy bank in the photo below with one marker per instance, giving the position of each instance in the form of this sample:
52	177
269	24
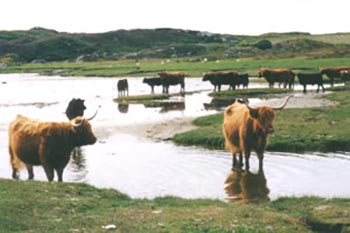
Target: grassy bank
296	130
31	206
191	66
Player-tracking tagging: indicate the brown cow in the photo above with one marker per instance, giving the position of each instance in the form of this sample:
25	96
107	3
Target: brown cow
333	72
168	79
246	129
272	76
46	143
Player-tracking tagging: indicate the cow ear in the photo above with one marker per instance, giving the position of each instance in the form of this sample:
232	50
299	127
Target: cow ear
254	112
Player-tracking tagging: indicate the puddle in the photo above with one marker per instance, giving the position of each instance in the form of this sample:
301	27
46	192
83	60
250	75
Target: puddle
143	168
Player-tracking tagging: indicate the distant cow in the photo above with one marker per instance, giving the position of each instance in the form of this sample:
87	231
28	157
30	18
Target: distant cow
75	108
244	80
170	79
48	144
281	76
152	82
123	87
345	75
311	78
246	129
333	72
217	79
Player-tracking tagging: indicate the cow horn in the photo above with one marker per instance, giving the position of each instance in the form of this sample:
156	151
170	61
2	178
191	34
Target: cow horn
92	116
76	124
284	104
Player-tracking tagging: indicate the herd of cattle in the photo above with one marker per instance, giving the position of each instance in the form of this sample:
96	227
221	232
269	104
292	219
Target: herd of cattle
233	79
245	129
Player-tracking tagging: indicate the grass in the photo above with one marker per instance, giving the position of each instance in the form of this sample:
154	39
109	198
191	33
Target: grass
191	66
31	206
296	130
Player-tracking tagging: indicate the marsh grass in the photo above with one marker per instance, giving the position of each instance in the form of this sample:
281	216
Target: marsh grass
31	206
296	130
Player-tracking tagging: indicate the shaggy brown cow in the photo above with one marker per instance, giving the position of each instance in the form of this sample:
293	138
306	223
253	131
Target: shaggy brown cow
123	87
246	129
168	79
272	76
46	143
333	72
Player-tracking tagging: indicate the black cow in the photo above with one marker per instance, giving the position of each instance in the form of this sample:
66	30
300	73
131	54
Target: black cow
217	79
152	82
311	78
244	80
123	87
281	76
75	108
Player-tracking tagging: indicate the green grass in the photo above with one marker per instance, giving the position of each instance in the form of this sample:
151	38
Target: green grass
191	67
296	130
31	206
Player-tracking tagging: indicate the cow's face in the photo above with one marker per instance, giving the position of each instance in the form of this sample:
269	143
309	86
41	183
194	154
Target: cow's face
265	116
261	73
84	134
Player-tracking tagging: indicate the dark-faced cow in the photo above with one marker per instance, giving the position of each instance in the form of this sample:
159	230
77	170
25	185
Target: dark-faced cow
311	79
246	129
244	80
48	144
333	72
75	108
217	79
123	87
152	82
170	79
281	76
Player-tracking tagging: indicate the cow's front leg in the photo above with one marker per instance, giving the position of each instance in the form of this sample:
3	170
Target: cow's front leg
59	174
247	156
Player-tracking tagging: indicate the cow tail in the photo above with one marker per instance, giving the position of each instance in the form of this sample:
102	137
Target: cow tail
14	160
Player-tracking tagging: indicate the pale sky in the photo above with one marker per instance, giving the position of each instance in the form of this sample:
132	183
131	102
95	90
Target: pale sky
239	17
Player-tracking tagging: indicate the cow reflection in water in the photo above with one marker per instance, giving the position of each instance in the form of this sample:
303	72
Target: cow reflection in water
246	187
78	164
167	106
123	108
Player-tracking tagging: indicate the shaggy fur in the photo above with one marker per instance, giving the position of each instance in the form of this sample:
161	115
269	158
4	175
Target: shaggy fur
48	144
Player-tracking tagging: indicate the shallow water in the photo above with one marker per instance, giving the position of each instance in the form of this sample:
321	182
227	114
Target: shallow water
143	168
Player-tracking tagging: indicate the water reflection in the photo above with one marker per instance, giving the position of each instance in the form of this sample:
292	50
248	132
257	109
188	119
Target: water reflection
78	164
246	187
167	106
220	104
123	108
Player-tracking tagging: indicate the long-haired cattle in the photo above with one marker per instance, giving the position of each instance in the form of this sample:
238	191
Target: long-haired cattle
333	72
246	129
49	144
217	79
281	76
311	78
170	79
75	108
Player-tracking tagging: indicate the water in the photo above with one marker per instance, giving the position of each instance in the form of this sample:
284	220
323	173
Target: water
144	168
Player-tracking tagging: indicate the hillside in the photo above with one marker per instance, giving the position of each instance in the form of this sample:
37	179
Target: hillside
42	45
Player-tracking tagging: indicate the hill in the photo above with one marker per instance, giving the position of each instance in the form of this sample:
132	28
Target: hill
41	45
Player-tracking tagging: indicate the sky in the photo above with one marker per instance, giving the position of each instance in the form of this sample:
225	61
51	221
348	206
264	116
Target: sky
238	17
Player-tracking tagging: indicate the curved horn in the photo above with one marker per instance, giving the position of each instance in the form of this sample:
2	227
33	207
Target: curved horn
92	116
76	124
284	104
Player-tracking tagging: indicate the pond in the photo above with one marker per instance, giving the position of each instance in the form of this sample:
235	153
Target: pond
143	167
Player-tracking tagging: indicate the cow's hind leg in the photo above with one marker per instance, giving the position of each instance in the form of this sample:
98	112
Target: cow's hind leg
49	172
30	171
234	161
247	156
261	158
240	160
